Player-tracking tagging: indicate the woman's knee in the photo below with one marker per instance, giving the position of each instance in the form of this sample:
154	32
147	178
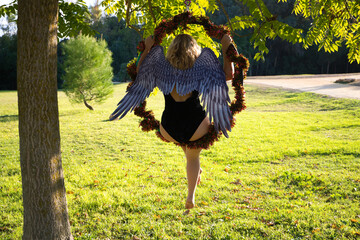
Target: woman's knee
184	149
192	154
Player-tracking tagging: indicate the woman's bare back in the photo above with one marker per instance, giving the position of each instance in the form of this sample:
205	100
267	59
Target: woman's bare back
179	98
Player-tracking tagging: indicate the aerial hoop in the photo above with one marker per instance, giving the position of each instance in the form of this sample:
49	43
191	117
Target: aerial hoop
241	65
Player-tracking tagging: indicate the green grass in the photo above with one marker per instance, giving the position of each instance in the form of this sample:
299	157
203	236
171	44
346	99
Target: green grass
290	170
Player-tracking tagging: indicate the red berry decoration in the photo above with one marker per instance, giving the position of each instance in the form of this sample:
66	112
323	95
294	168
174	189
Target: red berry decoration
241	65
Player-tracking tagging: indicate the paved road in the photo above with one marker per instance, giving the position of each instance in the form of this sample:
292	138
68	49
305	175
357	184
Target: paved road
322	84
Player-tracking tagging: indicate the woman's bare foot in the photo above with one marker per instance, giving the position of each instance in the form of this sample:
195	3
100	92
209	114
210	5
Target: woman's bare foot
199	178
189	204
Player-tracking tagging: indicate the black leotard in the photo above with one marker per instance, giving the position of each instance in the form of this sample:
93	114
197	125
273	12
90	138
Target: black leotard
182	119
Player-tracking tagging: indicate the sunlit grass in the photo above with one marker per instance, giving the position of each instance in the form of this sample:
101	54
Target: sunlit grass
290	170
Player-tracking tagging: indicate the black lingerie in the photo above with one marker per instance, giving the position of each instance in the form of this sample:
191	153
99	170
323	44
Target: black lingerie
182	119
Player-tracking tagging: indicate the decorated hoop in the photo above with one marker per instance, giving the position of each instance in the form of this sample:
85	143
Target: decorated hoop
241	66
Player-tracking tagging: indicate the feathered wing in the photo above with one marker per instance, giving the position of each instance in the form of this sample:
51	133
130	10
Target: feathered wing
207	77
142	86
214	90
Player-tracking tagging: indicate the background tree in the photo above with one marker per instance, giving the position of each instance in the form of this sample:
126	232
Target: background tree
8	61
121	41
95	12
88	73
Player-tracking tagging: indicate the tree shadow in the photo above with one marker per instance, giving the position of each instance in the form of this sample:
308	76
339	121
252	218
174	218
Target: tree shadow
9	118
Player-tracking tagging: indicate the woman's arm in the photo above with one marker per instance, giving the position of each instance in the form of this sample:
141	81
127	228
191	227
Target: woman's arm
228	66
149	42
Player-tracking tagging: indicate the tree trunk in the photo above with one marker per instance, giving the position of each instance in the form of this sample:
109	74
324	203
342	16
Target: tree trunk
44	195
87	105
328	67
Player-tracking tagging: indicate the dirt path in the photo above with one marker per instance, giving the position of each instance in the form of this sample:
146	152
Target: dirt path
321	84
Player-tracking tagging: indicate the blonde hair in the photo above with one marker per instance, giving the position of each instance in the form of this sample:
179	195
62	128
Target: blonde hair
183	51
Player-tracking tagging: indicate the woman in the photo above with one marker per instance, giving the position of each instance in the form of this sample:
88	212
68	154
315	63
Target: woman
184	119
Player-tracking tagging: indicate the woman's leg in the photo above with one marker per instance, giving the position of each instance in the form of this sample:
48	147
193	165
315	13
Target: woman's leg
199	178
193	172
193	169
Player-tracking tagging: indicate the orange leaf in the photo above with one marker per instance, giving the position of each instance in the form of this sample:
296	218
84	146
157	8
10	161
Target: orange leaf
70	192
96	181
354	220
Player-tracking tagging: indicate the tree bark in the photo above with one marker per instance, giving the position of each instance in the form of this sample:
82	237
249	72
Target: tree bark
44	195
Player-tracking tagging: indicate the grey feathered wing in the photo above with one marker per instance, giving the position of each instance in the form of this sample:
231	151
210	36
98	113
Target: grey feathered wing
206	76
140	89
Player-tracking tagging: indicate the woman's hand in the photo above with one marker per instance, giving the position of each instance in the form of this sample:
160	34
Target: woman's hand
225	42
228	66
149	42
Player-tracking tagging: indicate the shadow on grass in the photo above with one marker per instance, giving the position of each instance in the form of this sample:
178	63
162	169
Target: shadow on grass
9	118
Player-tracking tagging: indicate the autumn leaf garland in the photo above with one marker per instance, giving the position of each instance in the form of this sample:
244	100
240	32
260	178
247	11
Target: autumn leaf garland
241	64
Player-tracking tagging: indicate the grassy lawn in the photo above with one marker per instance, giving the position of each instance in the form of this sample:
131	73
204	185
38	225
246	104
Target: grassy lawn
290	170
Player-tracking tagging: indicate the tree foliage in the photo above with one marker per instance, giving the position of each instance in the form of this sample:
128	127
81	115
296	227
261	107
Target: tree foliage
73	17
332	21
283	56
121	41
88	71
143	16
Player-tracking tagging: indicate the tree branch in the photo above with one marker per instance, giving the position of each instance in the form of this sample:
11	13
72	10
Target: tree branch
262	14
227	17
128	7
151	11
347	9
